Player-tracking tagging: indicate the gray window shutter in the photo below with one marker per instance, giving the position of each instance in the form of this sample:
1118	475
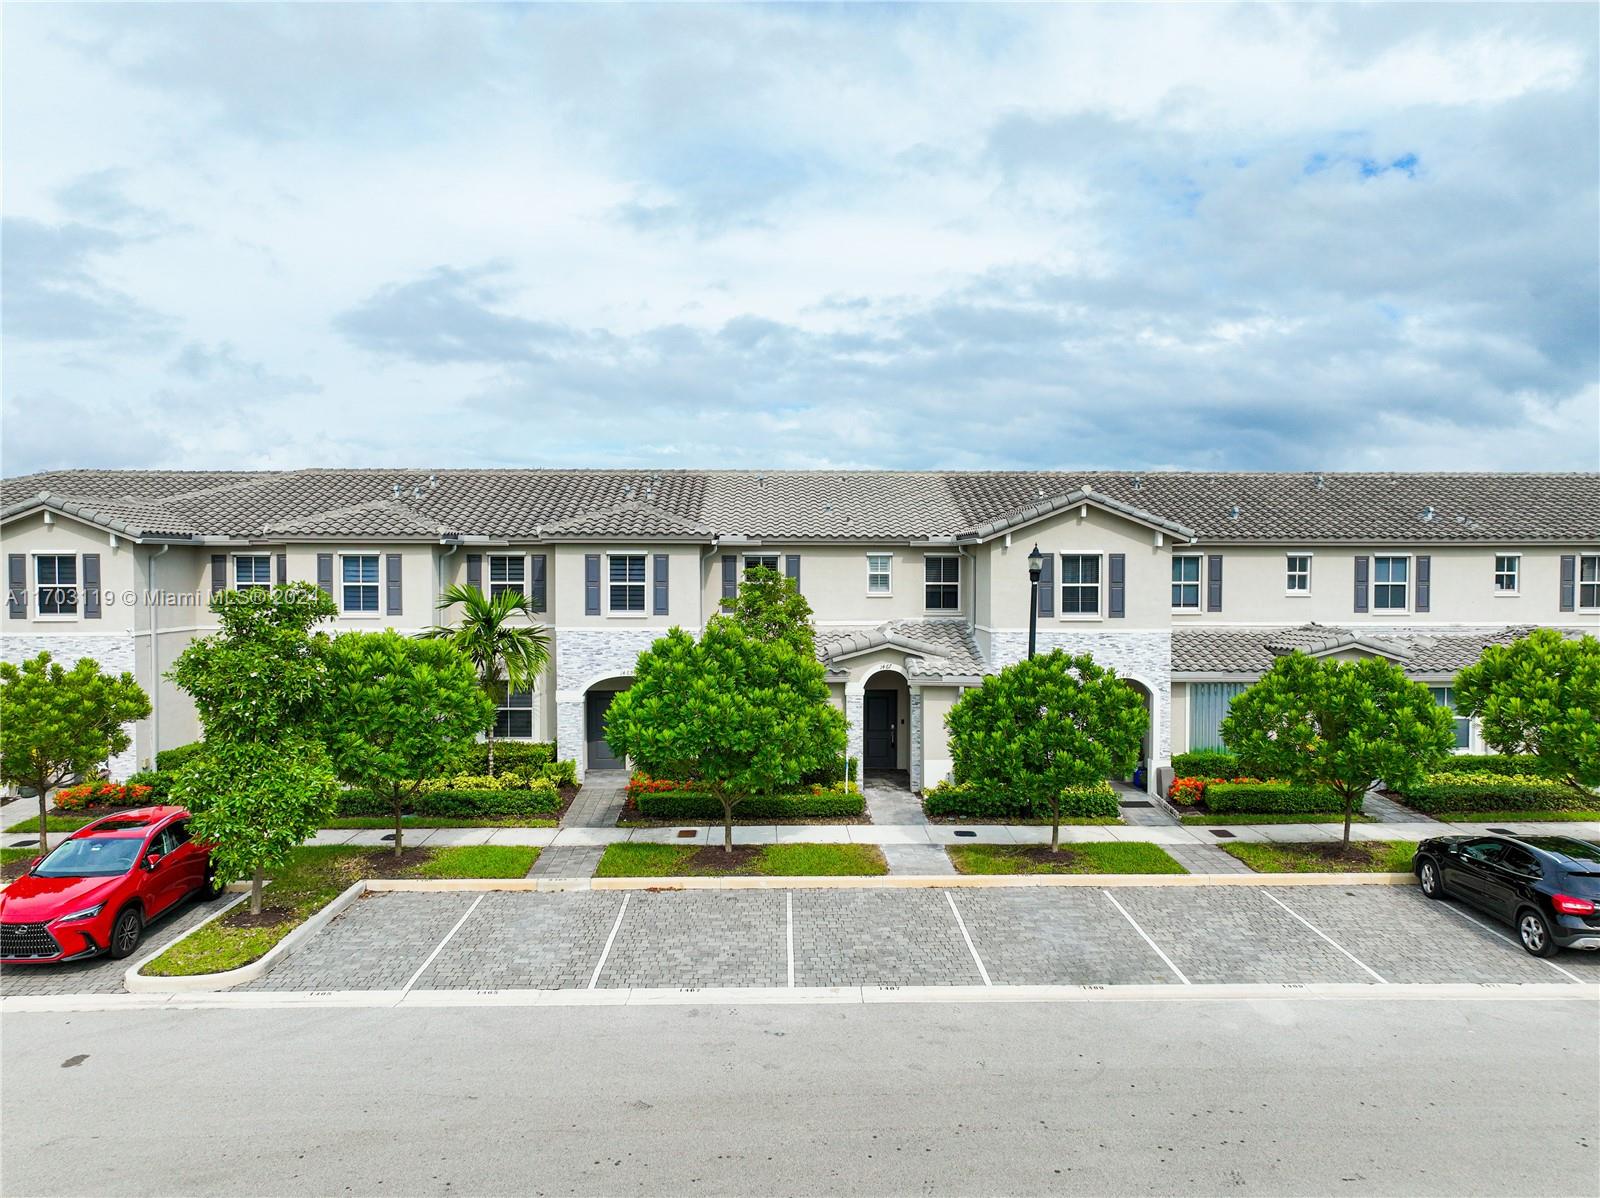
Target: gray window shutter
1361	583
730	578
325	573
17	584
283	568
1214	582
1424	581
536	581
791	569
1047	585
475	571
1117	588
391	583
219	572
1569	581
591	584
91	586
659	584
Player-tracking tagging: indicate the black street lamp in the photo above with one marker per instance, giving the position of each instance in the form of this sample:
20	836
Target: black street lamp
1035	568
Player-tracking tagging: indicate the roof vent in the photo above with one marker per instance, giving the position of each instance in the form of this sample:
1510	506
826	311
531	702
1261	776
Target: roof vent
1234	512
827	509
761	480
397	490
1138	482
1041	492
1320	482
433	481
416	490
1428	514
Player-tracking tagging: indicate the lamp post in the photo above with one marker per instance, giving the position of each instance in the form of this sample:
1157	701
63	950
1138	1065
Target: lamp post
1035	567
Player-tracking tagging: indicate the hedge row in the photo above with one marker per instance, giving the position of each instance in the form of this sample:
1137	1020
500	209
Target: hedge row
170	759
964	800
1206	763
1270	798
508	755
685	806
541	799
1458	791
1505	765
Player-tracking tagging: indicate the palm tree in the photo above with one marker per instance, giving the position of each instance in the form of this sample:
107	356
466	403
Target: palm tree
501	652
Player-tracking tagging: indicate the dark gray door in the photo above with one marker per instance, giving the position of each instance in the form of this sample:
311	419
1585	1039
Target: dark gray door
600	755
880	715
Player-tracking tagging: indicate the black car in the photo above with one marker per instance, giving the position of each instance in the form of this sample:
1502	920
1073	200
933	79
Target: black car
1547	887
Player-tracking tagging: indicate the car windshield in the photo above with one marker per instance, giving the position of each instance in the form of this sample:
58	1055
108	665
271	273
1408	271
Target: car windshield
90	857
1568	846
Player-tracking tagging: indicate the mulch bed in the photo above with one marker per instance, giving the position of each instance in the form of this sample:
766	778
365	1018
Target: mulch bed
710	861
631	818
12	870
1335	853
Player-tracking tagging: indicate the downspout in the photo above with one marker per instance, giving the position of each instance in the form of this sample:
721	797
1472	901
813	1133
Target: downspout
438	571
155	657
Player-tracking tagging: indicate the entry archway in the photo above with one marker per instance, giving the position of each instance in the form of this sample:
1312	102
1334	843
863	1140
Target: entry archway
598	754
886	722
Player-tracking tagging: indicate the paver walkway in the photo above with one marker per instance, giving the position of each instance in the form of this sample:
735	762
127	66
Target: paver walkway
1141	809
600	802
921	860
1207	859
889	798
579	861
1387	811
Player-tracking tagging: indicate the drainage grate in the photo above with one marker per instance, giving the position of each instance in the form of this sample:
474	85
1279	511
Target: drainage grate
1136	803
1503	831
685	833
26	844
965	832
1222	833
387	836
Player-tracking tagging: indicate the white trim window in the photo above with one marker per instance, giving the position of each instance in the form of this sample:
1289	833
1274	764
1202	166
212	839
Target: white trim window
1080	584
252	571
358	583
1589	582
507	572
1445	696
56	578
513	719
1185	582
941	577
880	577
625	584
1391	583
1297	574
765	561
1507	573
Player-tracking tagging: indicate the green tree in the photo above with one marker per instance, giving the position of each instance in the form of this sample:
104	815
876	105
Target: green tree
59	725
1540	695
747	716
254	801
1339	724
771	608
399	713
1044	724
506	655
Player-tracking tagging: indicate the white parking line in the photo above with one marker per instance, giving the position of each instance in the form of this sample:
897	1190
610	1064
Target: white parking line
971	948
1326	937
1147	939
440	946
1498	934
594	979
791	939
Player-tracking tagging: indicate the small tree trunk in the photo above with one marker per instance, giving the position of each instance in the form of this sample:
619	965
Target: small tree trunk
255	888
399	828
1349	805
727	824
1055	826
44	805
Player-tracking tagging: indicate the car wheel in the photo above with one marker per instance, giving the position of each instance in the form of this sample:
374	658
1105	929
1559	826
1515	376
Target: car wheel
213	889
1428	877
125	934
1534	933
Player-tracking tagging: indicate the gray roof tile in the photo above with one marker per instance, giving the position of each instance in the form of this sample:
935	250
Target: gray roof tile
934	648
1251	651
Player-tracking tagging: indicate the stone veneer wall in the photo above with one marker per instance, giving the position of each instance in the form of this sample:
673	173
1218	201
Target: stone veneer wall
114	652
916	739
585	656
854	705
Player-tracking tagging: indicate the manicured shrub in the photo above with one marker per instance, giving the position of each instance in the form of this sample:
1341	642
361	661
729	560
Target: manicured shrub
103	794
1506	765
170	760
1186	792
540	799
509	756
159	784
1206	763
1270	798
688	806
967	800
562	773
1455	791
852	770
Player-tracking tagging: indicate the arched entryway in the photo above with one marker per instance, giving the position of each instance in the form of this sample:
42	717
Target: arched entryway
886	723
598	754
1144	779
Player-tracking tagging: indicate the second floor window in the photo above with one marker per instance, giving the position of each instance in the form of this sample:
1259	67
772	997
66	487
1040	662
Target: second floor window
359	582
1297	574
1080	584
627	582
506	573
765	561
1589	581
942	577
252	572
57	577
1507	573
878	576
1186	583
513	719
1391	578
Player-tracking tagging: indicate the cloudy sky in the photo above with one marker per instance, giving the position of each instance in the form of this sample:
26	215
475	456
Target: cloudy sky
262	236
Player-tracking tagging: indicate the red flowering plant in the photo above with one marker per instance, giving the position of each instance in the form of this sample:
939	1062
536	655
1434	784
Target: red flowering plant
100	794
1191	792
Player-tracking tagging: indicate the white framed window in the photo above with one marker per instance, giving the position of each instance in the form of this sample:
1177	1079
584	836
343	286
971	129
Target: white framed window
1186	582
880	577
513	719
1444	696
1589	582
766	561
56	578
1080	584
941	574
507	572
1297	574
625	583
252	571
1507	573
358	583
1391	583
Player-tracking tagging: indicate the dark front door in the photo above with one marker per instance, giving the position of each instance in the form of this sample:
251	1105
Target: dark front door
600	755
881	714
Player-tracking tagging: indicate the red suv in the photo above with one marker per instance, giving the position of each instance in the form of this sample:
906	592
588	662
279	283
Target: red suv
100	887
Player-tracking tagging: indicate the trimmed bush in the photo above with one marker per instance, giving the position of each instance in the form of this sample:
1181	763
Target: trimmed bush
687	806
1504	765
103	794
966	800
538	800
562	773
160	784
169	760
510	756
1206	763
1456	791
1270	798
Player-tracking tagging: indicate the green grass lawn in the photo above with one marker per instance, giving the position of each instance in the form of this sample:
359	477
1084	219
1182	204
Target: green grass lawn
1564	816
56	823
1104	858
770	860
1322	857
314	876
1269	818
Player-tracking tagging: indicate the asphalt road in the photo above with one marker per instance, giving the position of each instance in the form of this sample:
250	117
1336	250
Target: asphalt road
1370	1096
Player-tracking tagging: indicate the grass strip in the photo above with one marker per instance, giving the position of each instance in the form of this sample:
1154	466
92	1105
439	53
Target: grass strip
1100	858
1327	857
1563	815
766	860
59	823
1271	817
386	822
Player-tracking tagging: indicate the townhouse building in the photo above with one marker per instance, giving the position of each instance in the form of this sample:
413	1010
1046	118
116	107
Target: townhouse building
1188	584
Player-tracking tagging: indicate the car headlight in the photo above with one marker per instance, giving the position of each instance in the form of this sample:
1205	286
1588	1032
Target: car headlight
86	913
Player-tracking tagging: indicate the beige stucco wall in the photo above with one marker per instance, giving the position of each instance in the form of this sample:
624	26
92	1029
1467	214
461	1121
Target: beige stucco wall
833	579
567	581
118	572
936	704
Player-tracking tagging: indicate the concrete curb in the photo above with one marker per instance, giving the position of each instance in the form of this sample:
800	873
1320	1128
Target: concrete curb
136	983
887	882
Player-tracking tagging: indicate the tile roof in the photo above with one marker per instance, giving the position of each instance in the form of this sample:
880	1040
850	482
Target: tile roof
823	504
934	648
1251	651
